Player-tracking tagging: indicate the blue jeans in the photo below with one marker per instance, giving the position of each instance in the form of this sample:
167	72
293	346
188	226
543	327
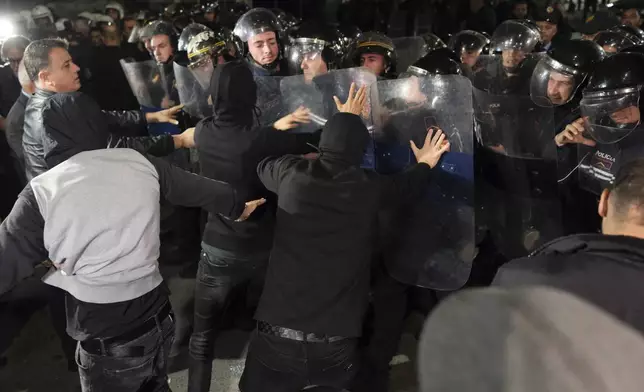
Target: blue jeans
220	273
146	372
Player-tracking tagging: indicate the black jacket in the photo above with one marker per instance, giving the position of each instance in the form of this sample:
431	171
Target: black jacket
9	89
49	115
230	147
107	84
605	270
318	275
15	126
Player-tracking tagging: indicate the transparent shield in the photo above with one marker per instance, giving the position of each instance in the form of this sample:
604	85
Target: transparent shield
148	83
517	190
269	99
298	91
191	94
434	245
408	51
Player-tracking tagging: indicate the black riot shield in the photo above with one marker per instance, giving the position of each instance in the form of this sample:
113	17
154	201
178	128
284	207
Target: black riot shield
296	91
408	51
191	93
517	179
338	83
430	239
269	99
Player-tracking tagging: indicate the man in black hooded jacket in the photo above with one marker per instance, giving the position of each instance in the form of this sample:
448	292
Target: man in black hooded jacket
317	284
230	145
606	269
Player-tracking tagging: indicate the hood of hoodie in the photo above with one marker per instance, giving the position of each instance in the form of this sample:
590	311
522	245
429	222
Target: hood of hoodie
234	94
345	138
70	131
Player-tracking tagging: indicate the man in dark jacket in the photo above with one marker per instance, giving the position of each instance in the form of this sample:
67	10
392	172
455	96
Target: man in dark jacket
95	217
606	269
13	49
57	105
317	284
230	145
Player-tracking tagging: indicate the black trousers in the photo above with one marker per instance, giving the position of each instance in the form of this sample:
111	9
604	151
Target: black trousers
277	364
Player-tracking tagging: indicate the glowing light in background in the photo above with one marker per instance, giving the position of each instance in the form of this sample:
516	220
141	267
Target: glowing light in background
6	28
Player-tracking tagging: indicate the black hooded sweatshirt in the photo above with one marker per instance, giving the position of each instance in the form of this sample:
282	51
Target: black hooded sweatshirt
230	146
603	269
326	230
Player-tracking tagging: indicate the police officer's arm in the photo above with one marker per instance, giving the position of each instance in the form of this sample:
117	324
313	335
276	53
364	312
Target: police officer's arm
21	241
182	188
271	171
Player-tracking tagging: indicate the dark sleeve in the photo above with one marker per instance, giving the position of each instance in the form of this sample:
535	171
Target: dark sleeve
125	123
21	241
15	125
182	188
277	143
271	171
158	146
405	186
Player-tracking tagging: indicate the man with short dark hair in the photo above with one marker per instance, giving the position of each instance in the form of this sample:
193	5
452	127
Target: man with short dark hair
57	105
631	16
606	269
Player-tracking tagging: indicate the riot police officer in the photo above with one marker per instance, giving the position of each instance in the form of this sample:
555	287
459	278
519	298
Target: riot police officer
258	30
610	109
510	74
163	43
613	41
315	49
469	45
376	52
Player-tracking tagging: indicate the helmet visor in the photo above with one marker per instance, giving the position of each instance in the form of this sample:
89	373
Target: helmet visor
611	116
305	56
553	84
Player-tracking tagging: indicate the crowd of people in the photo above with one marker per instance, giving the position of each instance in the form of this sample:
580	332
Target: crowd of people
325	181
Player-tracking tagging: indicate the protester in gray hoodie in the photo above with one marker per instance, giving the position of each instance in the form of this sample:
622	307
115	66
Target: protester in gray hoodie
95	216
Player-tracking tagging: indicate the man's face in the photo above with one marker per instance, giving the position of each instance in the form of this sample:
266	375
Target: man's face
470	58
375	62
609	49
628	115
114	14
560	88
161	48
14	55
81	26
43	22
512	59
128	26
62	74
631	17
263	48
548	30
313	65
210	16
97	39
520	11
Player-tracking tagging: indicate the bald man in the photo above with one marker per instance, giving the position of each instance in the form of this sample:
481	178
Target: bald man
16	119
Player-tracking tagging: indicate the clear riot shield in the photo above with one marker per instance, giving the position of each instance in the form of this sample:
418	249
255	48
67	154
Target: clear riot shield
269	99
408	51
517	182
296	91
338	83
509	73
191	94
148	83
433	242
